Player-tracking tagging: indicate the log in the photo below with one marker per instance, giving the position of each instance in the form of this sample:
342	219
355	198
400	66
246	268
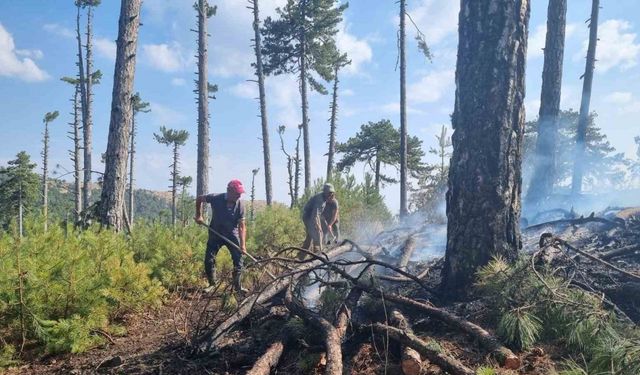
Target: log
410	360
211	339
581	220
407	251
329	332
269	360
620	252
344	315
445	362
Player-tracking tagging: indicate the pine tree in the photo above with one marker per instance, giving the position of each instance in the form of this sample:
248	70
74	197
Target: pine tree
19	189
254	172
301	41
578	169
175	139
266	152
340	62
483	200
403	113
184	182
112	206
204	12
48	118
75	154
138	106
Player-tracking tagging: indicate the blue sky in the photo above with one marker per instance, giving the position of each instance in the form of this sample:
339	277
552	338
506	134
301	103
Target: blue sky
37	47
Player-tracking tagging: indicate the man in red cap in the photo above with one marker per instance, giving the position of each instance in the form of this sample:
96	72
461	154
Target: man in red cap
227	219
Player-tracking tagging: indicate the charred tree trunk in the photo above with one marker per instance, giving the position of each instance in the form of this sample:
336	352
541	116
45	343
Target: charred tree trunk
544	174
202	179
403	114
77	168
266	152
114	181
305	104
332	124
86	130
483	201
174	185
88	124
583	120
296	189
45	175
132	153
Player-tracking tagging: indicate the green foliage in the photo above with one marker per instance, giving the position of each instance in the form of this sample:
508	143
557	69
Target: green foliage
534	306
171	137
377	144
485	371
7	356
18	183
603	166
275	227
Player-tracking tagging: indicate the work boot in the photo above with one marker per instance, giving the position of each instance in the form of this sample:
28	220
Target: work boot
237	286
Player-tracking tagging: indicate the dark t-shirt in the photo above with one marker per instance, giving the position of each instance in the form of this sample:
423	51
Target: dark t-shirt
313	208
224	219
330	209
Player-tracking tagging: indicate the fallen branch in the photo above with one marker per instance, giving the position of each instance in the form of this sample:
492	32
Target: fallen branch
344	315
407	251
269	360
410	360
595	258
616	253
578	221
331	337
448	364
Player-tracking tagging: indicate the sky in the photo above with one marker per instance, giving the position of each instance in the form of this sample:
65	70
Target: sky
37	47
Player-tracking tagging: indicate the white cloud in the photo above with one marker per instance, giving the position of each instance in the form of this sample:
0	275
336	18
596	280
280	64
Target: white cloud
347	92
245	90
358	50
30	53
60	30
623	102
178	81
105	48
11	65
394	107
436	19
618	97
617	46
431	87
236	61
167	57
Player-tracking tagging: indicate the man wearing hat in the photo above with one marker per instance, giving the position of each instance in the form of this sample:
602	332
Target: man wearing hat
227	219
313	219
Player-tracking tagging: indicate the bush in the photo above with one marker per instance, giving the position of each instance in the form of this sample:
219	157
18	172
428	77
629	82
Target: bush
275	227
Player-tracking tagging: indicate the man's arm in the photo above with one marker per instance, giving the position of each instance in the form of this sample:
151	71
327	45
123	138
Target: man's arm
199	201
242	231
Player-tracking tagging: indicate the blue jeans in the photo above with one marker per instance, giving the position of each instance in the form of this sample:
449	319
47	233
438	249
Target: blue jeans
213	246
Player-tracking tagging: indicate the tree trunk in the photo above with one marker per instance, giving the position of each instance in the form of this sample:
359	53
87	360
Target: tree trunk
89	123
583	120
297	169
45	175
377	176
332	124
132	154
202	180
544	174
86	130
174	185
483	201
305	104
76	153
266	151
269	360
114	180
403	114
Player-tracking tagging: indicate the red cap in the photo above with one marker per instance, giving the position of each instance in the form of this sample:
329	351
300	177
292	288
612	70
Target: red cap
236	186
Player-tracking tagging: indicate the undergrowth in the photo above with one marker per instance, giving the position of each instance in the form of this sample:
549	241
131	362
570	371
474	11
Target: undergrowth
533	306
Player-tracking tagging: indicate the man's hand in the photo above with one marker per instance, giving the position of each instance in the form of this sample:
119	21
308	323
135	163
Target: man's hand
199	219
243	250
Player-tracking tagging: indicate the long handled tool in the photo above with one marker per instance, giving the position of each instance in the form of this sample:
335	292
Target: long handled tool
231	243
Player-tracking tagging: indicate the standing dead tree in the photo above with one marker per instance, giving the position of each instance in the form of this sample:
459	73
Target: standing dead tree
48	117
75	153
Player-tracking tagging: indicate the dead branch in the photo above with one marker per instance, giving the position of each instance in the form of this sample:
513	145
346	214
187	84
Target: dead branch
269	360
410	360
620	252
578	221
450	365
344	315
402	279
594	258
407	251
331	337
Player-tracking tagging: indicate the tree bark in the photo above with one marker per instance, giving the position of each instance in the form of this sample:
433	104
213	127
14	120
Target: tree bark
77	169
132	154
544	174
86	130
332	124
410	360
448	364
403	114
114	180
45	175
174	185
305	105
266	151
202	180
483	201
297	169
407	250
583	120
377	176
269	360
88	124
